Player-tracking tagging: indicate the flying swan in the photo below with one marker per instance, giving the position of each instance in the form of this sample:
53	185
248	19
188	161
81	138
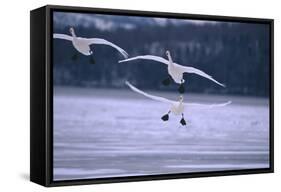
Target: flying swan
175	70
82	45
177	107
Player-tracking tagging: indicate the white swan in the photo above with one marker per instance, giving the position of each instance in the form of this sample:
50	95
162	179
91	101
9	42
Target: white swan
82	45
177	107
175	70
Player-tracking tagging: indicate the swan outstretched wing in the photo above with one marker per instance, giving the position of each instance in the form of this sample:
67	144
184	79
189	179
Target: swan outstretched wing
207	106
199	72
105	42
161	99
147	57
62	36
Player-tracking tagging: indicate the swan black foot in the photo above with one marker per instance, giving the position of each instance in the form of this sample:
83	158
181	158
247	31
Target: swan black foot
74	57
166	116
167	81
181	89
92	60
182	121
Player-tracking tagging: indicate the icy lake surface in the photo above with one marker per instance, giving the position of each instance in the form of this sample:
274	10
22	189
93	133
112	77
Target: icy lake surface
110	133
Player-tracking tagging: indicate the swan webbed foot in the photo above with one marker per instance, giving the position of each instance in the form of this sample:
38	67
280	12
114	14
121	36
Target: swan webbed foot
165	117
181	89
167	81
182	121
74	57
92	60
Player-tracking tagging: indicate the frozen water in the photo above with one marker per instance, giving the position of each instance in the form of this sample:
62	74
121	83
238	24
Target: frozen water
110	133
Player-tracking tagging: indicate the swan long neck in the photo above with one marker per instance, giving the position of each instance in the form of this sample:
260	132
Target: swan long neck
170	60
73	34
181	100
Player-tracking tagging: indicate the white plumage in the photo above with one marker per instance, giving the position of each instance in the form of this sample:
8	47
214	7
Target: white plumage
175	70
177	107
82	45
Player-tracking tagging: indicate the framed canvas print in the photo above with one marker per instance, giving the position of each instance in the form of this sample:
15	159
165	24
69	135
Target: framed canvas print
119	95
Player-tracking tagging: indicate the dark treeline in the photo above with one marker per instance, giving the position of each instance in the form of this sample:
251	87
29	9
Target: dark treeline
235	54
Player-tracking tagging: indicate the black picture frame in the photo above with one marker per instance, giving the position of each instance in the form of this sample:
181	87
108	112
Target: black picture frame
41	96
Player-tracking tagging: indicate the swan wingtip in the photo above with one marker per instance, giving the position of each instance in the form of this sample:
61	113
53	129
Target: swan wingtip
127	83
227	103
125	54
121	61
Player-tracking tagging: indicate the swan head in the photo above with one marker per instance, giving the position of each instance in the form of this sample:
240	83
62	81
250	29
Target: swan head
168	53
169	56
71	30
